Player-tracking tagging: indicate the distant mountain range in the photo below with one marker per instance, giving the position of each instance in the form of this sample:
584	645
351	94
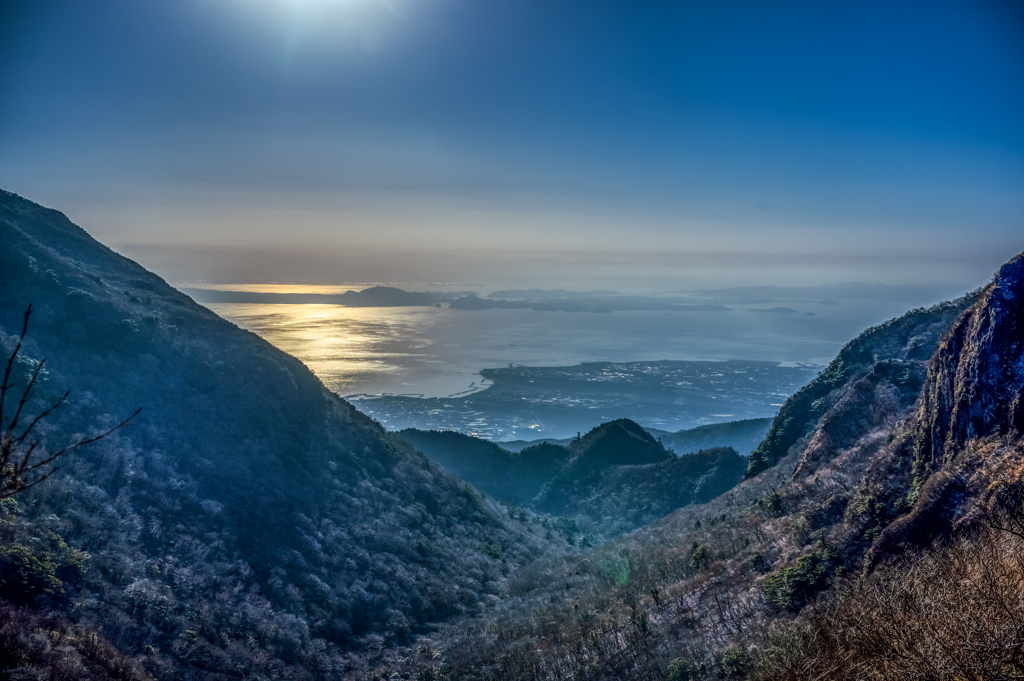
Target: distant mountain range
585	303
561	300
540	294
743	436
824	294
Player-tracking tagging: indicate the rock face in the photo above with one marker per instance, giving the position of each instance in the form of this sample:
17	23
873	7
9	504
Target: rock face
976	380
929	406
965	438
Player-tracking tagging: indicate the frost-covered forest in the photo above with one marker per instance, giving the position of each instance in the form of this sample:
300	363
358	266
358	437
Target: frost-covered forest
248	523
247	519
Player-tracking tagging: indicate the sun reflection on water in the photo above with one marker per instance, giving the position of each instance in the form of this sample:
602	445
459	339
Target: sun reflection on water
439	352
349	348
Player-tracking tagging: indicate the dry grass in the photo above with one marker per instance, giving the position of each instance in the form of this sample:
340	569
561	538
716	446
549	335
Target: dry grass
954	613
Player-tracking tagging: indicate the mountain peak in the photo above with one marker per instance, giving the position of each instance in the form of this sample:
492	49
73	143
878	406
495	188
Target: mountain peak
618	442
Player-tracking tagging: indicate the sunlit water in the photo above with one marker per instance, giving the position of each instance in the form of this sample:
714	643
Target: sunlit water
437	352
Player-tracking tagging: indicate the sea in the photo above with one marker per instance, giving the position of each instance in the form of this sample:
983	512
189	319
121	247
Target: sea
362	353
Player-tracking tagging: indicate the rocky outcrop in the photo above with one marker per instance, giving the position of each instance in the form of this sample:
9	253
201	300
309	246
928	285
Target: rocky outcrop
965	436
975	386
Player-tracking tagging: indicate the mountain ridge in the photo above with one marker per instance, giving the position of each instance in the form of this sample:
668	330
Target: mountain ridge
245	491
610	480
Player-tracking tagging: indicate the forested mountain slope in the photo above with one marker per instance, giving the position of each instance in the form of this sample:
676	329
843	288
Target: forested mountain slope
512	477
887	361
613	479
744	436
540	475
248	522
874	538
624	498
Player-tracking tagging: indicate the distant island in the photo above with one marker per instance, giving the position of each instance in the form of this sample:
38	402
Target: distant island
776	310
556	300
376	296
586	303
825	294
538	293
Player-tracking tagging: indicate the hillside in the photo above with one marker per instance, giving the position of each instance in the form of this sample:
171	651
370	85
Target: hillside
887	361
743	436
615	443
611	480
873	539
512	477
520	445
519	477
248	522
624	498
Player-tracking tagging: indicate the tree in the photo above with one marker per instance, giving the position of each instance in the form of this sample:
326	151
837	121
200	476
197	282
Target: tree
23	463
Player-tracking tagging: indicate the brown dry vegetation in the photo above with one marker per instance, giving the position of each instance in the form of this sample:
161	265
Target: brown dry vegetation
955	613
678	601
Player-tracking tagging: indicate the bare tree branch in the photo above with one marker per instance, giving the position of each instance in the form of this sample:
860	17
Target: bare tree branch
6	385
17	451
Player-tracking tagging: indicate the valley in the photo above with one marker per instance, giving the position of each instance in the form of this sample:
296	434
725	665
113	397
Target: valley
511	340
250	523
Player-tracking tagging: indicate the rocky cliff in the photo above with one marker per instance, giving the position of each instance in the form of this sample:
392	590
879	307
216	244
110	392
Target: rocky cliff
976	382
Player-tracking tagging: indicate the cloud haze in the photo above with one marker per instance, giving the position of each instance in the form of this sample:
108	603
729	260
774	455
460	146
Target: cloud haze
852	130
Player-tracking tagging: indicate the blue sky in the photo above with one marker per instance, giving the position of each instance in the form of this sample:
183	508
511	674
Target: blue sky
561	128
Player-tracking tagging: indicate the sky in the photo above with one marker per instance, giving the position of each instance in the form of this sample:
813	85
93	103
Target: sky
768	142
